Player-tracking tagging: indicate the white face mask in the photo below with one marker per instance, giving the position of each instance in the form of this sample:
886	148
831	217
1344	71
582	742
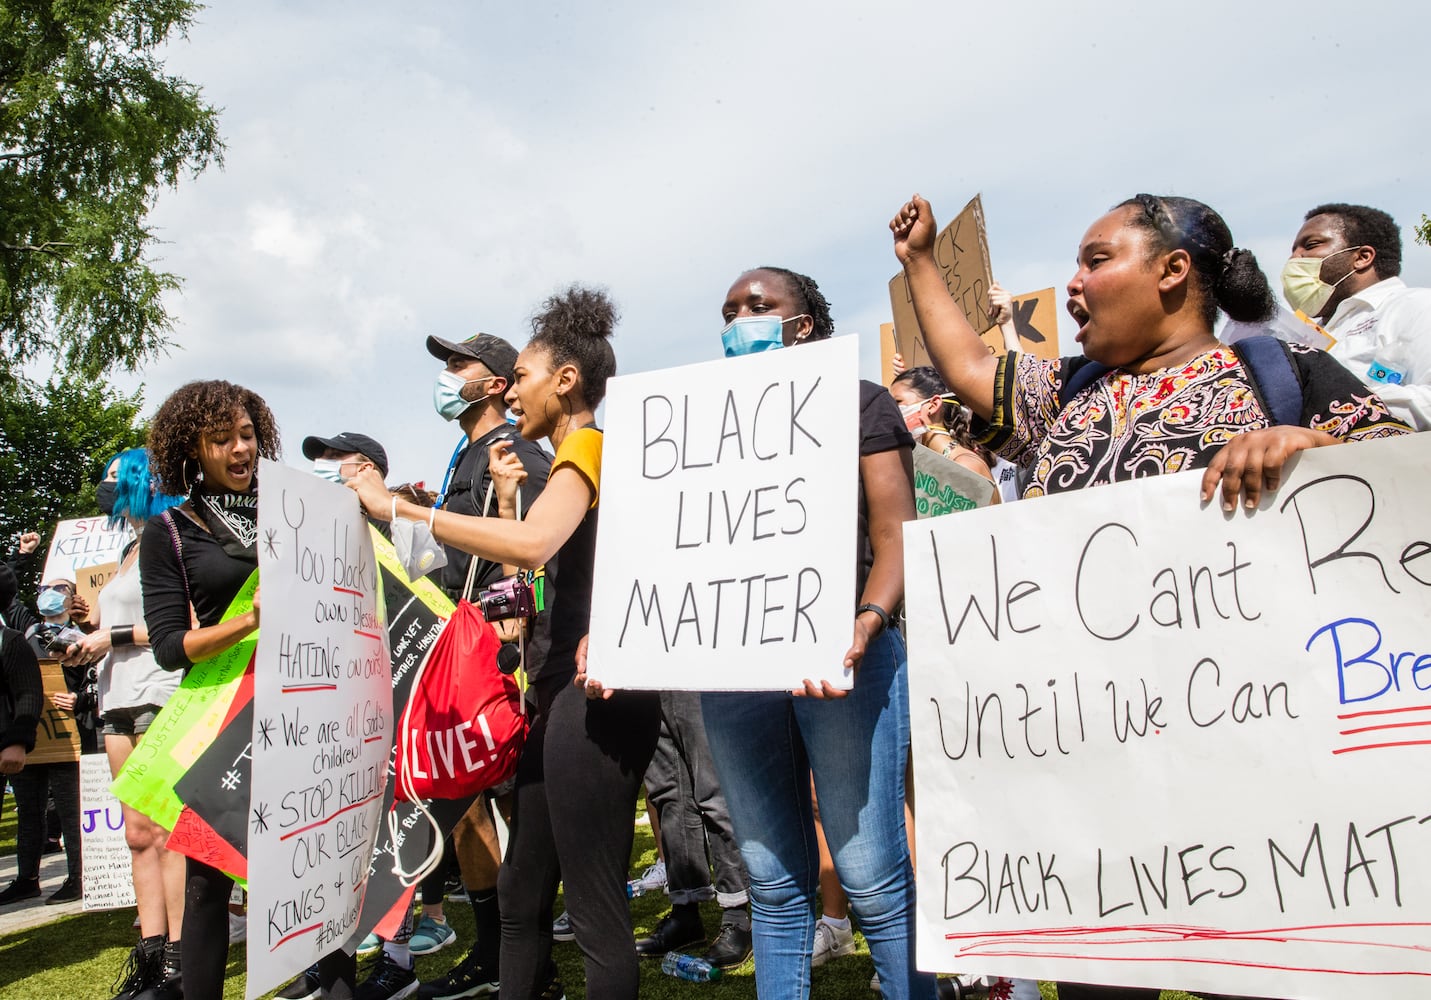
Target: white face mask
1303	286
330	469
417	550
913	417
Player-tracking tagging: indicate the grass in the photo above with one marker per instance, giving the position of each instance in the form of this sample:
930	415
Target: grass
79	956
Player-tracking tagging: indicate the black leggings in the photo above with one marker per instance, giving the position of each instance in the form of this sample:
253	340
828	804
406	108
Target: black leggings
205	939
573	819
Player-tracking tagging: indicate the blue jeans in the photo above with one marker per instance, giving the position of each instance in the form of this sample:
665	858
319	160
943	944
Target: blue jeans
766	746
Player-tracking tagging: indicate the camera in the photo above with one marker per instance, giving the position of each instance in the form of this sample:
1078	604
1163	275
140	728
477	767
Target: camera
58	641
510	597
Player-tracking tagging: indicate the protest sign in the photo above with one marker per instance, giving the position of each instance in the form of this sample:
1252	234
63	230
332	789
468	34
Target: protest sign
728	512
57	735
415	613
322	725
1158	745
83	543
886	353
186	726
1036	322
108	883
961	250
943	486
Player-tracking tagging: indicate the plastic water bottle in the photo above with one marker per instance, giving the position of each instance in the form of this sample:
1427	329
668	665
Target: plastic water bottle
689	968
635	888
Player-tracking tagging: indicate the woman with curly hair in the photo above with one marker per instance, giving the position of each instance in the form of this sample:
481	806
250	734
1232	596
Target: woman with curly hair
584	758
205	443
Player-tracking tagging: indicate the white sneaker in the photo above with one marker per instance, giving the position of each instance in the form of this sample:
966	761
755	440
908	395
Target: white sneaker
831	942
653	879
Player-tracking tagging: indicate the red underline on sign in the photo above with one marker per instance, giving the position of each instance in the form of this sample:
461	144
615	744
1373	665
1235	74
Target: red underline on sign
329	819
346	590
289	937
1383	746
372	739
1385	711
1006	944
1384	725
365	635
310	687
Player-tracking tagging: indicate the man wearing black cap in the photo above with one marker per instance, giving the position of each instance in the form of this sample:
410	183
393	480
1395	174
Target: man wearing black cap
471	390
340	457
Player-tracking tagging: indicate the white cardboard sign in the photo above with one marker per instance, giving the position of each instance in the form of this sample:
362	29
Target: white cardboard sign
323	726
1160	746
84	542
108	878
725	553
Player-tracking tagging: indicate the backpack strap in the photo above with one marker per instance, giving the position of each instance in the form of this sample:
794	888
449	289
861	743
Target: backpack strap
1275	378
1079	375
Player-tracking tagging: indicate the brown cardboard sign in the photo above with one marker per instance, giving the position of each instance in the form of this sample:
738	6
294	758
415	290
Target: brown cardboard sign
1036	320
89	581
961	252
57	735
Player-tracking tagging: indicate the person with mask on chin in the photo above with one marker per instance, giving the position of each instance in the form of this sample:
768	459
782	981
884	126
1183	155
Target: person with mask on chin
1344	273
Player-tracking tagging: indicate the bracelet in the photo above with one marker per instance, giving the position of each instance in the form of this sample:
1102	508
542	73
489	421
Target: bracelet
879	611
121	635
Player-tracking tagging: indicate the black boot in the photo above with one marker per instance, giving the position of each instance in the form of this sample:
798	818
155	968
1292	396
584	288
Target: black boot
144	969
169	985
678	929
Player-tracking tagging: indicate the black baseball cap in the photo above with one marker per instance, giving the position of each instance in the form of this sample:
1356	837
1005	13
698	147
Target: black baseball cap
348	442
492	351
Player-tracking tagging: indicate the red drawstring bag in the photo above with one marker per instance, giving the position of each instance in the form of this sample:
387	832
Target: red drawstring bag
462	730
463	727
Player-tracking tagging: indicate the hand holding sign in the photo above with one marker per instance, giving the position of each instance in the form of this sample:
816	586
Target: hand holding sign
1252	462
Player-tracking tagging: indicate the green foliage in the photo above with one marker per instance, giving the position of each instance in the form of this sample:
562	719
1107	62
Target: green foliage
54	441
90	128
1423	231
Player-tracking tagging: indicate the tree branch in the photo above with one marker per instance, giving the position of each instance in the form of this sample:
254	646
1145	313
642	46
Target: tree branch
46	247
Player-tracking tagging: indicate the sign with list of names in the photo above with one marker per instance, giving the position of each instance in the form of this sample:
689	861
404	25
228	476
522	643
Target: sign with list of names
1160	745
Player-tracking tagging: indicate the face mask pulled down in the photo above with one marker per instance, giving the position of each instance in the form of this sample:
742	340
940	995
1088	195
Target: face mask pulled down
417	550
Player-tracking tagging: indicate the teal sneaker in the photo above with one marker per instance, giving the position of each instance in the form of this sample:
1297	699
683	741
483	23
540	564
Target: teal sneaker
431	936
370	945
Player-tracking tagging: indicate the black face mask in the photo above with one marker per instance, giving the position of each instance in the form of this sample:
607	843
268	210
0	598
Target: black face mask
104	496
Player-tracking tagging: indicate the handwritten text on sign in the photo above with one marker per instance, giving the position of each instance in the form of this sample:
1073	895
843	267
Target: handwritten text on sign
725	553
108	879
1160	746
322	728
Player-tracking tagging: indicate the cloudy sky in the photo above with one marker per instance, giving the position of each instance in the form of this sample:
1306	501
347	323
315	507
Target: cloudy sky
395	171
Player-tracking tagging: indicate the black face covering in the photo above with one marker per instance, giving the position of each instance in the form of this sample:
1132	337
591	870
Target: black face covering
104	495
232	518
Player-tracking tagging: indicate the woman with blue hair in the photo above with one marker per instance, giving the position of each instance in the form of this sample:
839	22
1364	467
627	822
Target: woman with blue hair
132	689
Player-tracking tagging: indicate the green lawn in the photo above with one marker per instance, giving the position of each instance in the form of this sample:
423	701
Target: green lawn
77	958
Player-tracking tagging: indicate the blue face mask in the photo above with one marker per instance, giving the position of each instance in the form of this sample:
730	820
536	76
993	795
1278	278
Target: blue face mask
50	602
330	469
447	394
753	334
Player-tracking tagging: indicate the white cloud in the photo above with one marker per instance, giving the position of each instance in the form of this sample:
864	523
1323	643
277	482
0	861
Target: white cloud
394	172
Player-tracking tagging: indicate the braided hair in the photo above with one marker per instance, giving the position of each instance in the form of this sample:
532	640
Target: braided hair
1225	275
803	287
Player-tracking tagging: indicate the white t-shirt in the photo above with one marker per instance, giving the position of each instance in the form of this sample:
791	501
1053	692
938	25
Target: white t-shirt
129	677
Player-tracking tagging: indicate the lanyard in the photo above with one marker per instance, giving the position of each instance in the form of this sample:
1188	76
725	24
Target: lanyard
451	467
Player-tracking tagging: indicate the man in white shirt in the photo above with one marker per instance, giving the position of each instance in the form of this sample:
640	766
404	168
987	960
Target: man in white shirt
1344	274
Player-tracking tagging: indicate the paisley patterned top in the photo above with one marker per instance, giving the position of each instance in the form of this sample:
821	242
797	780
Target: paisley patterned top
1125	426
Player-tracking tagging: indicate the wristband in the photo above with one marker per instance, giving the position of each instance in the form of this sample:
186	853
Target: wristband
121	635
879	611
